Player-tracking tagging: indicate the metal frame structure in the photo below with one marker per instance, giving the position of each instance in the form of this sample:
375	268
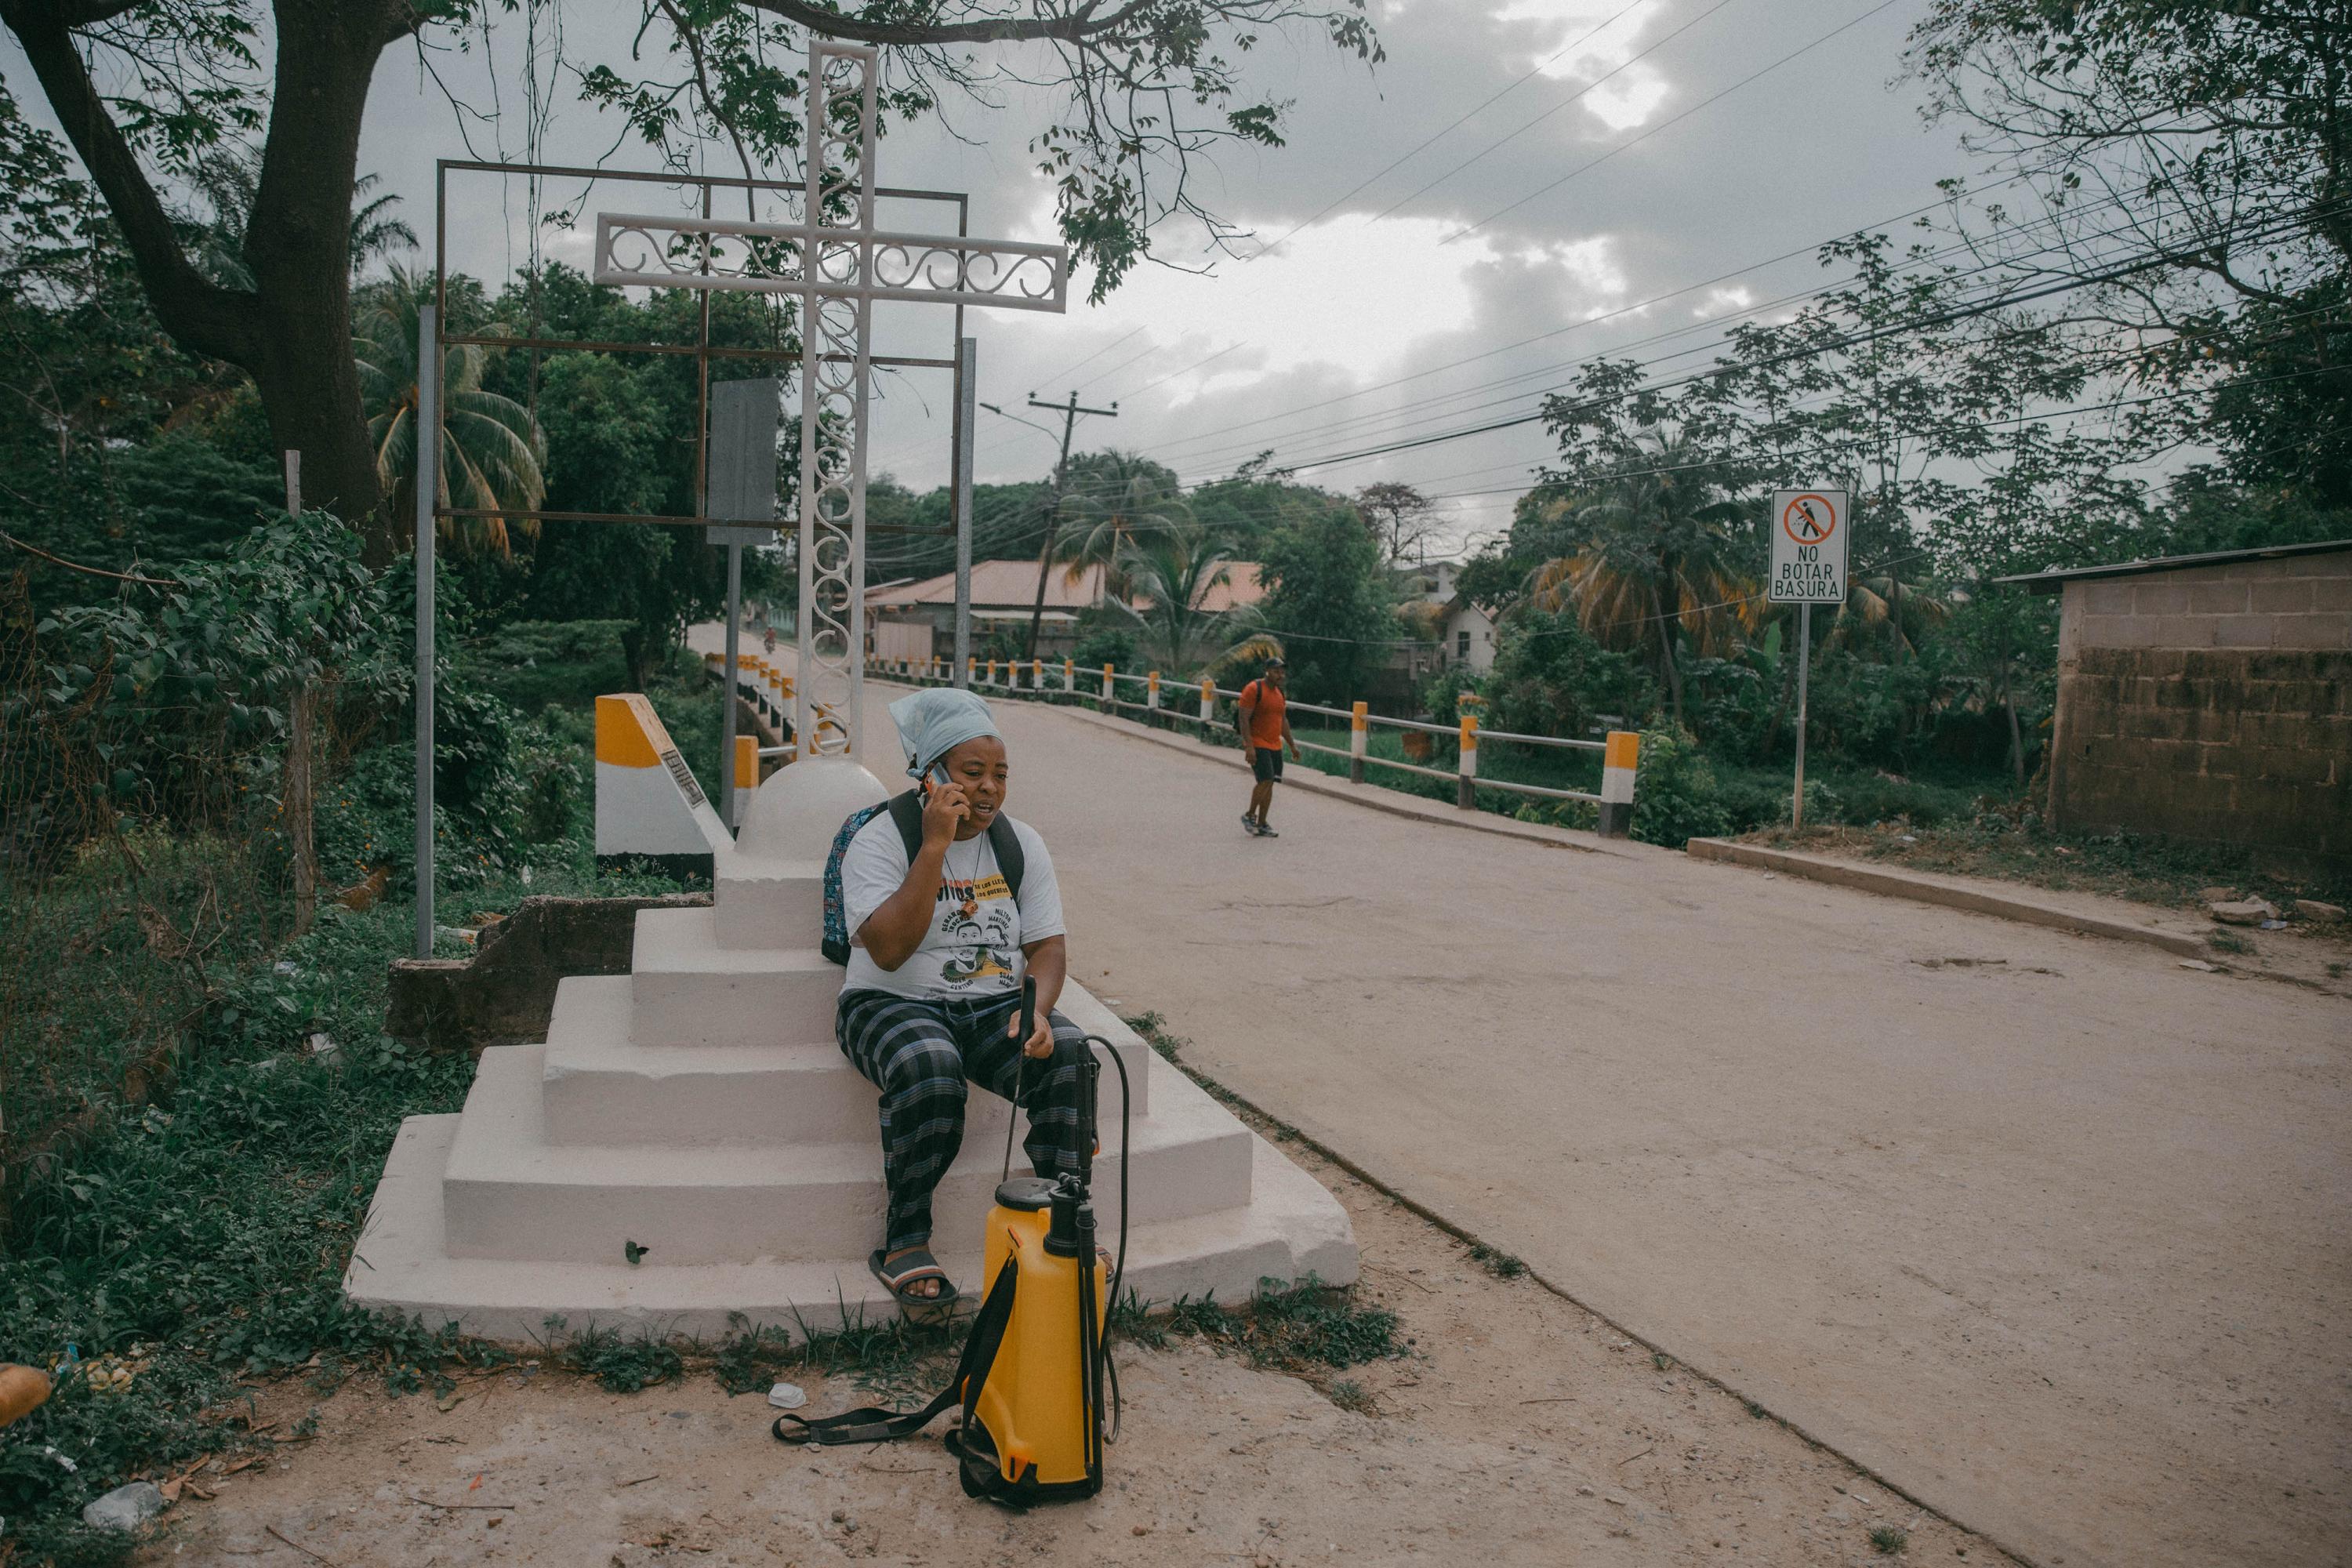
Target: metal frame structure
839	263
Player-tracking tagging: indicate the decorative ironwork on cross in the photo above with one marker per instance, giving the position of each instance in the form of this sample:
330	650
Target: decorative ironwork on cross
840	265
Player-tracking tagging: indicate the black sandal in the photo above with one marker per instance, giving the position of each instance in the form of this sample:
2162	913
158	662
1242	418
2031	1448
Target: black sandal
912	1268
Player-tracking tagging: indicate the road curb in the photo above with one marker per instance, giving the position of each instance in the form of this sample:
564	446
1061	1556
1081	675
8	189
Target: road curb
1945	895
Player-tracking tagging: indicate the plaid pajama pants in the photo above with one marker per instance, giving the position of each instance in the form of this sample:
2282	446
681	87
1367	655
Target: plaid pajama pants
920	1054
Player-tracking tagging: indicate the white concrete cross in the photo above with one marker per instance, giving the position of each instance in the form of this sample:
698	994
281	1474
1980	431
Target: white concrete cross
839	264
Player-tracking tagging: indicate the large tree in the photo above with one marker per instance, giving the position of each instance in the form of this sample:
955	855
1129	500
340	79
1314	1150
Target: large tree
2195	158
149	91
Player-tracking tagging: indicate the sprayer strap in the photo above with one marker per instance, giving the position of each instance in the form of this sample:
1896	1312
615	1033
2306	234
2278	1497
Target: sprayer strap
872	1424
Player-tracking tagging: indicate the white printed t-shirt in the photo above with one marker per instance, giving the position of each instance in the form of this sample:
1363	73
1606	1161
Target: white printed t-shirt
973	946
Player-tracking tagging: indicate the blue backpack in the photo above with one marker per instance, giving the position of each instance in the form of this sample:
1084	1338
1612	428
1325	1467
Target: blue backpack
906	815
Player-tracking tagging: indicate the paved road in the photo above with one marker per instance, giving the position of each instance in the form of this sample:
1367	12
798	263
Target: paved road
2058	1242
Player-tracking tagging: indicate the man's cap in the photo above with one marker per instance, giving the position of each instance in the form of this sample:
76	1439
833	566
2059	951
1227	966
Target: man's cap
1275	664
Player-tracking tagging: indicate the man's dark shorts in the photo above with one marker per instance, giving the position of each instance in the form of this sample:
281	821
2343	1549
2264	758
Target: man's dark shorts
1265	763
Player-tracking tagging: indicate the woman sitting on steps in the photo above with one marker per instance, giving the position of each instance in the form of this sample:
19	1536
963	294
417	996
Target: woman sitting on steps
940	942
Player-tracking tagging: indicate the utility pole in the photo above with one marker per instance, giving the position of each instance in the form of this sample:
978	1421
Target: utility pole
966	429
1069	411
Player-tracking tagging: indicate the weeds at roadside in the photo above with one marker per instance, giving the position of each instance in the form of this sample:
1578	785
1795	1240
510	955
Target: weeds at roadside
1351	1395
889	1358
2228	941
619	1365
1889	1538
1501	1264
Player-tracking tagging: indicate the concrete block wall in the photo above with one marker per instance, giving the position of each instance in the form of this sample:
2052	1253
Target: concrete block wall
2212	704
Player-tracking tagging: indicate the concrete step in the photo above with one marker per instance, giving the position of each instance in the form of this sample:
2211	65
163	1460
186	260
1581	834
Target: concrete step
769	903
510	1193
690	991
687	990
1292	1227
602	1087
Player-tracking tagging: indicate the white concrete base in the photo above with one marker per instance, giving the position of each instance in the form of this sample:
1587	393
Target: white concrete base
769	903
700	1107
508	1191
1292	1229
802	804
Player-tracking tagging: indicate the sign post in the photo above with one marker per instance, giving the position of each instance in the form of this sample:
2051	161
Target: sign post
1809	559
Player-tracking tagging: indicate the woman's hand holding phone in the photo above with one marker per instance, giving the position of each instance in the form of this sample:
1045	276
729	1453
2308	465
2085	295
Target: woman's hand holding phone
944	810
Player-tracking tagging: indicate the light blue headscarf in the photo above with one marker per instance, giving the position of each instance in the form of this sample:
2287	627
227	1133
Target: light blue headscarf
936	720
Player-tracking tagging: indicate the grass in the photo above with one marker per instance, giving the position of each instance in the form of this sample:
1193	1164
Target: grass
619	1364
2013	846
190	1223
1889	1538
1295	1326
890	1358
1501	1264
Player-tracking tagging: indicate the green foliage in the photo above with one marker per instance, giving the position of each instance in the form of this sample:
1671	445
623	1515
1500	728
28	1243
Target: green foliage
1887	1540
1501	1264
1105	644
620	1364
1330	600
204	1232
1551	678
1676	794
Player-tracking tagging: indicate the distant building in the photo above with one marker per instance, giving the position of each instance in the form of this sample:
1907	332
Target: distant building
1430	582
1469	634
2209	699
916	620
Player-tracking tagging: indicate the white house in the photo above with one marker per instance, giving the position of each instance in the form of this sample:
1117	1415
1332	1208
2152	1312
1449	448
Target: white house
1469	634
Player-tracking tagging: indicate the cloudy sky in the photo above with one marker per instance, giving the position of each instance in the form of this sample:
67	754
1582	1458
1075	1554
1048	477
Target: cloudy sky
1378	302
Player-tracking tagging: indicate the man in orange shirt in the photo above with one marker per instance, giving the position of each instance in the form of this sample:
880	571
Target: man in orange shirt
1265	731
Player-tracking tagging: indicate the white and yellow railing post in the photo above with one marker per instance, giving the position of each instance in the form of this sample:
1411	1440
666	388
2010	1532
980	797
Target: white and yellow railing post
747	772
1037	676
1106	687
992	672
1358	728
1069	678
1152	691
1620	761
1466	783
1208	705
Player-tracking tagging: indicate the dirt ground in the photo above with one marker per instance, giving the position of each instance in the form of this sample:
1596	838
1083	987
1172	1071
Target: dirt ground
1518	1429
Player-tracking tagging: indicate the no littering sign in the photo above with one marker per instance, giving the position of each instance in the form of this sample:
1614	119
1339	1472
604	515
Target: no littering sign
1808	547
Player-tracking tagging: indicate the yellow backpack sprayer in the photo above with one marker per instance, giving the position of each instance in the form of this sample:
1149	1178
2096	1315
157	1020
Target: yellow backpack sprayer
1036	1361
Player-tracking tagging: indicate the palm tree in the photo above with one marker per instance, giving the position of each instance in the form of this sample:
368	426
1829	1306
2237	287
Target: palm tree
1113	497
1870	602
1656	562
493	453
230	181
1171	571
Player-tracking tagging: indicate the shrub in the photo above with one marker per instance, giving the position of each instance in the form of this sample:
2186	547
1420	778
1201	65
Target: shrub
1675	795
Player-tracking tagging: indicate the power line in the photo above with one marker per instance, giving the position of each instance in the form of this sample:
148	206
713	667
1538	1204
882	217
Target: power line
1807	248
1677	120
1854	339
1555	108
1456	124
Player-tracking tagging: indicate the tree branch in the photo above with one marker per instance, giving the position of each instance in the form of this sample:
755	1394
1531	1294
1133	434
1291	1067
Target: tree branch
1006	30
206	318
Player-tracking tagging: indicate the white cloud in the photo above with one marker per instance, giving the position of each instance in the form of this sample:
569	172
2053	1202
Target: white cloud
1723	302
1596	41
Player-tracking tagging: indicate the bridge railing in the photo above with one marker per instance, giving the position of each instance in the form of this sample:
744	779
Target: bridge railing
1195	703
